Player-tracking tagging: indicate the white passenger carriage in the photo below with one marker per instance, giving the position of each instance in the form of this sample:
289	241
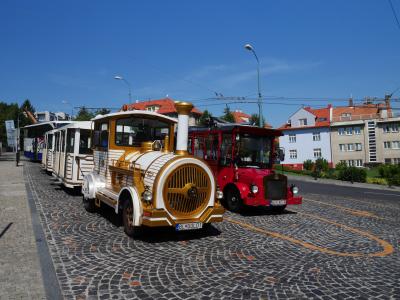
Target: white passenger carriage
72	155
47	151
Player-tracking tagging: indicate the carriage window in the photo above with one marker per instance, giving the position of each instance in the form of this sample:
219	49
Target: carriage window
57	141
70	140
50	141
199	147
133	131
101	135
85	142
62	143
211	147
226	150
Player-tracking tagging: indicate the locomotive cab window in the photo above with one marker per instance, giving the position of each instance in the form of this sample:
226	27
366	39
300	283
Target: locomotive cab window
101	135
132	132
226	150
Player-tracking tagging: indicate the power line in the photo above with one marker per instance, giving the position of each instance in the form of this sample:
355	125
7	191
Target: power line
394	13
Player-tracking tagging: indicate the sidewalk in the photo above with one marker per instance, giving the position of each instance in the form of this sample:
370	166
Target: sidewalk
343	183
20	272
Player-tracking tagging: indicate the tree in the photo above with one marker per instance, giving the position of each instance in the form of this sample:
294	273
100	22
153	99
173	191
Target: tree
228	116
205	118
102	111
84	114
254	119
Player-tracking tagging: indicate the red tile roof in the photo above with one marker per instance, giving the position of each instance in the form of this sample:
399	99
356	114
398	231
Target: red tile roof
361	112
240	117
321	118
166	106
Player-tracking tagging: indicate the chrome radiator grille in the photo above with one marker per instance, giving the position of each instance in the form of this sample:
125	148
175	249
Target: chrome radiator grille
275	187
187	190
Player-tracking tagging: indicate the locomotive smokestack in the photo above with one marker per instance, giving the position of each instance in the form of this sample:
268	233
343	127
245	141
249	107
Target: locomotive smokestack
183	109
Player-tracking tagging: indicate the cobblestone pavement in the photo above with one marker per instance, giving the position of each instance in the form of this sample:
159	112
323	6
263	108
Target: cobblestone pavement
328	248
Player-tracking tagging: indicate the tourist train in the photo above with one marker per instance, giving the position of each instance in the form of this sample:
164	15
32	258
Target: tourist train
68	154
242	158
145	178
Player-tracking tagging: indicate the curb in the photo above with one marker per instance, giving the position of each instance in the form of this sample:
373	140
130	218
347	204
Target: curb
343	183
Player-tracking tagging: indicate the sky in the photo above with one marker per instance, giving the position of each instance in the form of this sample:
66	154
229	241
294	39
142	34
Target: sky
65	54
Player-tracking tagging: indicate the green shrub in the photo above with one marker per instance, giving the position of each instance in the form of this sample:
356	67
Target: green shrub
374	180
322	164
340	166
391	173
308	165
352	174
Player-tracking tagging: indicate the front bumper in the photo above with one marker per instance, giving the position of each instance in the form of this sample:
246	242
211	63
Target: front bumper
160	217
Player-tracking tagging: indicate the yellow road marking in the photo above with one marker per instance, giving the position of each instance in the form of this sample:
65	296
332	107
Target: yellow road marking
356	212
387	248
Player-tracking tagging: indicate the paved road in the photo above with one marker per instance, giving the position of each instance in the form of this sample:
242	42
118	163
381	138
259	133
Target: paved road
322	189
331	247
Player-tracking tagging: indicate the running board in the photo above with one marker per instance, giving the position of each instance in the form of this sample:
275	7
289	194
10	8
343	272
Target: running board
107	197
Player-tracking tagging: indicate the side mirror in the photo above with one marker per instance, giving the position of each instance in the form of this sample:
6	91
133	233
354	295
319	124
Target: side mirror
280	154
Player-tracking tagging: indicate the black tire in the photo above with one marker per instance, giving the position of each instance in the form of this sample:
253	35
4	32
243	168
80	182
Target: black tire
127	220
89	205
278	209
233	201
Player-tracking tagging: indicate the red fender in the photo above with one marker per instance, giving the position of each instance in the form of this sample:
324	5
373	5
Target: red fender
243	188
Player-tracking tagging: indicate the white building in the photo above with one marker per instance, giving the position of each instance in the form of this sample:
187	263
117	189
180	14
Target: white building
307	136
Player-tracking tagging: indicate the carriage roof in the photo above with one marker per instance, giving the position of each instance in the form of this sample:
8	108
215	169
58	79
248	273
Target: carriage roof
76	125
136	113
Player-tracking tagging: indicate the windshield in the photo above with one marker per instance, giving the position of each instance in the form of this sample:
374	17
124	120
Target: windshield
253	151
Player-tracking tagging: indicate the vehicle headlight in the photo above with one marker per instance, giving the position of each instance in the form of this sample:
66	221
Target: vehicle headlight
147	195
294	189
254	189
219	194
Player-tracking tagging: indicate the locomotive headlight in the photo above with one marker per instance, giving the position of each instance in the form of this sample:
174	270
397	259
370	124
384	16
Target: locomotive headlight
294	189
219	194
254	189
147	196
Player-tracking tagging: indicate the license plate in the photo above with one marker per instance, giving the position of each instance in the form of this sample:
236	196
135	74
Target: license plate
278	202
188	226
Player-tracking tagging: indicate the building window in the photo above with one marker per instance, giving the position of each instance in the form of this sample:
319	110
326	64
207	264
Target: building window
358	146
396	161
343	161
346	116
317	153
388	161
357	130
386	128
359	163
292	138
302	122
350	147
349	130
341	131
396	145
386	145
342	147
293	154
154	108
351	163
395	127
316	136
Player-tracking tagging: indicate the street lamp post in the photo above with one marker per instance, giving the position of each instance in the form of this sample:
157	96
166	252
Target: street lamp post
260	121
128	84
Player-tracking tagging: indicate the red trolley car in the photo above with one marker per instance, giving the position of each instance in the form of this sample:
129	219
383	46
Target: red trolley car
241	158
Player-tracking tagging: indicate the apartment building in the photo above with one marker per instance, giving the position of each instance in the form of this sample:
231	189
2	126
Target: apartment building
356	133
306	136
388	140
